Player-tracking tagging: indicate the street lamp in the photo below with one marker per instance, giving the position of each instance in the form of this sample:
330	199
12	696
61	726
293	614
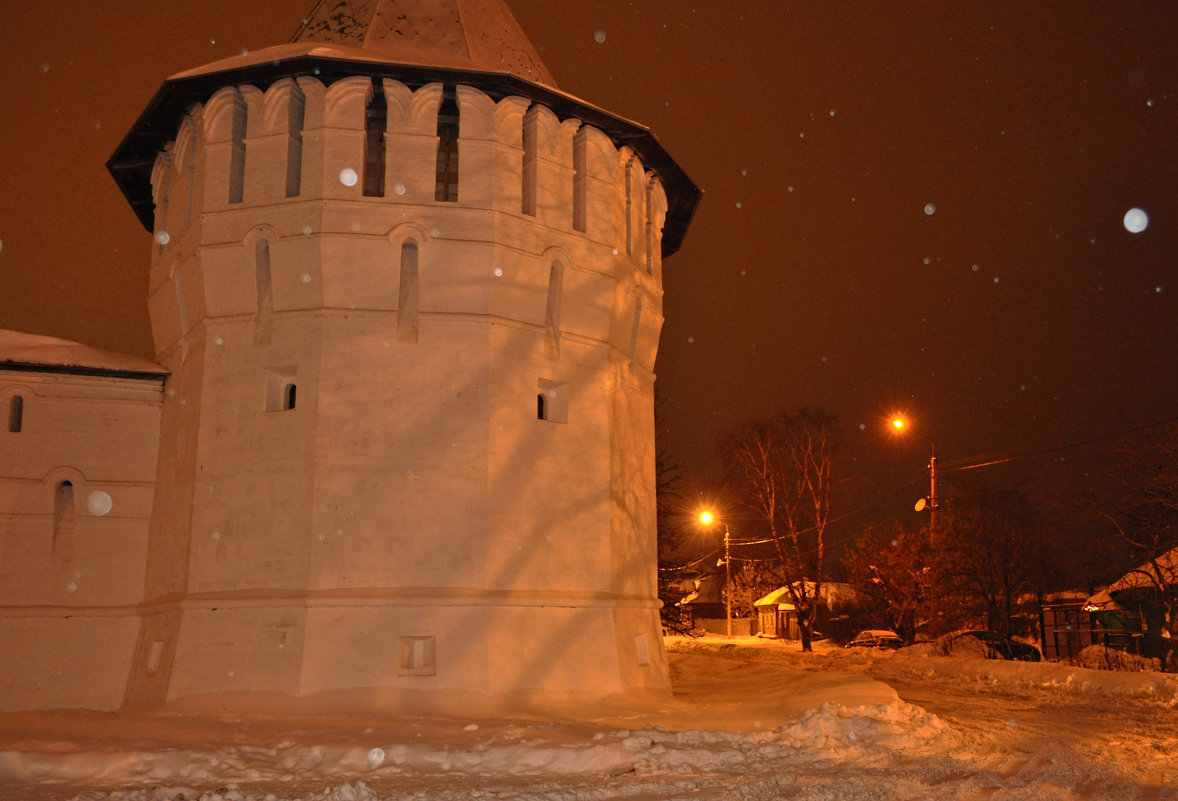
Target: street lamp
708	518
899	424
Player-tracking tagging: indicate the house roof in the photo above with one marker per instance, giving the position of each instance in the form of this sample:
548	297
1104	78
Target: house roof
774	599
21	352
1142	577
835	594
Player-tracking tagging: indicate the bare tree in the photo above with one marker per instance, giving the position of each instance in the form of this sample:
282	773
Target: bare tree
671	570
896	571
993	551
1140	506
783	467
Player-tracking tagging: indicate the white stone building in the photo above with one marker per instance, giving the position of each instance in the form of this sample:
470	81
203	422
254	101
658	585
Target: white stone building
407	297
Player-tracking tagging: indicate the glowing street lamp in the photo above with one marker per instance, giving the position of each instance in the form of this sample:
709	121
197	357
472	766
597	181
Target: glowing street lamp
708	518
900	424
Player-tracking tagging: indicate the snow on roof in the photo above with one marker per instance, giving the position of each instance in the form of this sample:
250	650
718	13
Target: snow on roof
775	598
33	349
835	595
1142	577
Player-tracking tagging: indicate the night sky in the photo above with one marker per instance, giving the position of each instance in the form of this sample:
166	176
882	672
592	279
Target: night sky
907	205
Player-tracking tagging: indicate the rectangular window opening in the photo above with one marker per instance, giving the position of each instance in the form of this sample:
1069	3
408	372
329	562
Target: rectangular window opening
552	401
281	389
417	656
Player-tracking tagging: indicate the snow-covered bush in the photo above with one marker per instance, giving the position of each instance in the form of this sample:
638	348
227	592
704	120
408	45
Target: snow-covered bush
1101	657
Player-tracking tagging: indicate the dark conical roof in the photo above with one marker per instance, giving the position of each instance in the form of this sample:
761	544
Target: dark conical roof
473	42
462	34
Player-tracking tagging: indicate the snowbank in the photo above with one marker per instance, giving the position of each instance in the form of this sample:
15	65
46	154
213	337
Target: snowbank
752	719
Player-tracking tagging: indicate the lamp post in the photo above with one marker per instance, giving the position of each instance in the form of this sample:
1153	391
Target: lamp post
900	424
708	519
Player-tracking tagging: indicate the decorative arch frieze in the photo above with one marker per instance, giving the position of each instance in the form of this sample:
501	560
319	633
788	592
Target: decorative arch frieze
345	101
476	113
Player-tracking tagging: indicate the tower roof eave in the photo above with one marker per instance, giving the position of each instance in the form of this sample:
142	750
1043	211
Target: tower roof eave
133	160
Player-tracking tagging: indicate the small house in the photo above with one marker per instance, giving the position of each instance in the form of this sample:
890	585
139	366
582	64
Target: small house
1133	611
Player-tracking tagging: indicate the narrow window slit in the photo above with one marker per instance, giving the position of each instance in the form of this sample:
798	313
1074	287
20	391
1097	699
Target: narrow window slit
294	145
237	152
16	413
376	120
446	187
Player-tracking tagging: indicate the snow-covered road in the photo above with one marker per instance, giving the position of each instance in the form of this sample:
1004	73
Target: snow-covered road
751	721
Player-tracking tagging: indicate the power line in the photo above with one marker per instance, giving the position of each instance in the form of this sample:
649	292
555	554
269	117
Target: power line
968	463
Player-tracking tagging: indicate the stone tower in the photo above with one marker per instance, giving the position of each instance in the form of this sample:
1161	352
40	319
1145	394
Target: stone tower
409	294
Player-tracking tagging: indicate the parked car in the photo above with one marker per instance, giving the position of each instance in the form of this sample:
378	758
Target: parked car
876	638
999	647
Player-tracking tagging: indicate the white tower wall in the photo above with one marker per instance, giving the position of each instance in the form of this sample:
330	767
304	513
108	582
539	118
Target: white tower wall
407	444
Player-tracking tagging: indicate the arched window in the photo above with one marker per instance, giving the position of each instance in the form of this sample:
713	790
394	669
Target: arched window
552	310
16	413
635	332
63	517
408	295
263	315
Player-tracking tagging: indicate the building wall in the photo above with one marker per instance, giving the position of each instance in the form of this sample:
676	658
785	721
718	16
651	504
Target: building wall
459	493
76	485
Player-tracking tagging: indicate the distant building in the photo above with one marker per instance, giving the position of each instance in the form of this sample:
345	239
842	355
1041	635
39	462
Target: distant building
406	297
1136	612
777	616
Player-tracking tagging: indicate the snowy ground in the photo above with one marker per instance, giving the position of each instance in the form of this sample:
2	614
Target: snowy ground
751	720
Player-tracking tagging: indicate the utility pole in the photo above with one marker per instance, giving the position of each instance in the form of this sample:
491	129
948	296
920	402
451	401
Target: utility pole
727	583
